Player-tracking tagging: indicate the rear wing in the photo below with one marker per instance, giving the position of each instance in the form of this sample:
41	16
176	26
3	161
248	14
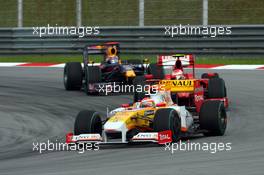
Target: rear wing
99	49
170	60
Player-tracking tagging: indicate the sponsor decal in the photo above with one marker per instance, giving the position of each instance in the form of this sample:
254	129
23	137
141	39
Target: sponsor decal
165	137
178	85
149	112
84	137
198	98
146	136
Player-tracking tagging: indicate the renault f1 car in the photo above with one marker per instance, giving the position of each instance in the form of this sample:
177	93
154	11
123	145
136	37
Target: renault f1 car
93	77
155	118
174	67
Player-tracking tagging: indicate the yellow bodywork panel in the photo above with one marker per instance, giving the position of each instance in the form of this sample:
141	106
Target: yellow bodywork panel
134	118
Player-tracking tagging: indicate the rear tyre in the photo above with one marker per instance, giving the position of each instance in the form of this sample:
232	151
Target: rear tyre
216	88
72	76
168	119
213	118
88	122
139	83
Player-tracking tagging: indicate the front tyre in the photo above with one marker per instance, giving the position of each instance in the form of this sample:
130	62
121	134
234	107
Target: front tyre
168	119
72	76
88	122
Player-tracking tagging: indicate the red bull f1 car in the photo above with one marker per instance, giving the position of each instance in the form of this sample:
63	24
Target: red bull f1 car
94	78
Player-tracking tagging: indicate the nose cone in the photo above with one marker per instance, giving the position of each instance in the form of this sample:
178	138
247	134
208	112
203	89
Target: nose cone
118	122
114	126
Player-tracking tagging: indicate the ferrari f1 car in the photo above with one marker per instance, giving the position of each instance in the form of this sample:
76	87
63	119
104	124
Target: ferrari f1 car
174	67
93	77
156	118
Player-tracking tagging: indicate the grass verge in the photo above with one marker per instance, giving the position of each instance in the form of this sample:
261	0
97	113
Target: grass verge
152	58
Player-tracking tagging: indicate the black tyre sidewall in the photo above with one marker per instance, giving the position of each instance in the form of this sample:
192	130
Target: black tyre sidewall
216	88
73	76
212	118
168	119
87	122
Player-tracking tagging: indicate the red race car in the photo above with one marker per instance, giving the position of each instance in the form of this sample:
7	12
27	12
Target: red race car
172	72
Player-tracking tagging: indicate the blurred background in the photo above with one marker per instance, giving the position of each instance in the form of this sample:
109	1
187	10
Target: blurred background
127	12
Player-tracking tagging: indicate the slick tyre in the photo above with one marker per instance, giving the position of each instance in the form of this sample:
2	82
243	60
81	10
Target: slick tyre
168	119
88	122
216	88
73	76
213	118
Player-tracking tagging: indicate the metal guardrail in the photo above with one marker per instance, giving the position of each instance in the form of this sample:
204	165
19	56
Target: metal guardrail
143	40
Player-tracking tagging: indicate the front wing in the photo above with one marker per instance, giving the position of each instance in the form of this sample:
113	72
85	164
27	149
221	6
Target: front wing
152	137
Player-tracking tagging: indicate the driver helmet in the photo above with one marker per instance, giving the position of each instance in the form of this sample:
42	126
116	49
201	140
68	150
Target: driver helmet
178	73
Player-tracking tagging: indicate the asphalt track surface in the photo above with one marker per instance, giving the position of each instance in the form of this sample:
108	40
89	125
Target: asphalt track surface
35	107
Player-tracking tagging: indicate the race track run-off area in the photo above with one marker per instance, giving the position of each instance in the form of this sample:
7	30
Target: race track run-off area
34	107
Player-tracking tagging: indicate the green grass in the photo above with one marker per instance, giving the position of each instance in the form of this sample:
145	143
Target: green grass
173	12
8	13
230	60
236	11
125	12
43	12
152	58
110	12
